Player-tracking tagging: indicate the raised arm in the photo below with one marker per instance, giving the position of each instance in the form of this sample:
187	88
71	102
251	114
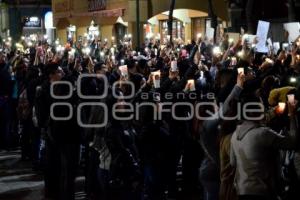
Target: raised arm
234	95
290	140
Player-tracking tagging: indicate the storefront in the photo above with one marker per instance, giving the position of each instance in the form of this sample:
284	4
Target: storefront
108	19
32	24
29	19
187	24
71	33
178	29
88	18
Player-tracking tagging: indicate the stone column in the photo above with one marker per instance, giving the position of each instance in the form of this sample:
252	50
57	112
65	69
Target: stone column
188	32
132	26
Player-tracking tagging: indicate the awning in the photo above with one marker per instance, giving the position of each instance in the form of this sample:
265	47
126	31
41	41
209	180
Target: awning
219	6
153	21
121	21
184	15
181	14
102	13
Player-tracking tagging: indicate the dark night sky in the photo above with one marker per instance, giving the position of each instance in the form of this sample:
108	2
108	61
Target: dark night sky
268	9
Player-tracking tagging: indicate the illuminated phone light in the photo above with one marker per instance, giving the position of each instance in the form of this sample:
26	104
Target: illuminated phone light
281	107
29	44
241	71
191	83
293	80
87	51
216	51
268	60
240	54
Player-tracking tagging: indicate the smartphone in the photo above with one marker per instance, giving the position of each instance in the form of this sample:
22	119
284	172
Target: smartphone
285	46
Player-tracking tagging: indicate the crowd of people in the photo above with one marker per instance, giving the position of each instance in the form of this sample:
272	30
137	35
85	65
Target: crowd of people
225	113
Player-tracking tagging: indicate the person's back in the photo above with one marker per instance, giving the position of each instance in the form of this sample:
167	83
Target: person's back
253	153
255	159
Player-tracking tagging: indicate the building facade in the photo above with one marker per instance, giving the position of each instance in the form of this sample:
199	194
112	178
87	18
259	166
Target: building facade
4	25
246	13
23	17
115	18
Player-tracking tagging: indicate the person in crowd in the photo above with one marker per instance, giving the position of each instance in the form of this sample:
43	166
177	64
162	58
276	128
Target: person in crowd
62	136
253	152
6	90
179	127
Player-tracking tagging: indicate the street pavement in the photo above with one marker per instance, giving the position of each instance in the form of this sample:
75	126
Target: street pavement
19	182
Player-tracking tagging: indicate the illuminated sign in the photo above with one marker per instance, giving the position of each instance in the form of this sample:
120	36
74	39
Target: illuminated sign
95	5
32	22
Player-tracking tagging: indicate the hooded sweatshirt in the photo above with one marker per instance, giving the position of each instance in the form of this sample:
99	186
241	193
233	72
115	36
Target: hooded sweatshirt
253	153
